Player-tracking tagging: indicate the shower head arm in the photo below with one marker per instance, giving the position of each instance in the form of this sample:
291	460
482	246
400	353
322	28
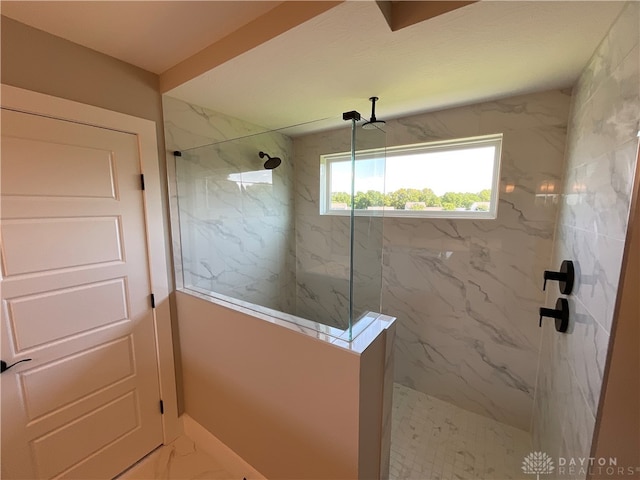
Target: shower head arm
373	108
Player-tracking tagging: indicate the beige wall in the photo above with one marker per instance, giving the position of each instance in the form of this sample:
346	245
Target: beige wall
41	62
38	61
372	396
291	405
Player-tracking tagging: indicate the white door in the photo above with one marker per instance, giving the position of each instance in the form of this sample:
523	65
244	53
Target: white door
75	300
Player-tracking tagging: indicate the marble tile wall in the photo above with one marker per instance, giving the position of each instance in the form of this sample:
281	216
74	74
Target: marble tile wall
236	218
465	292
591	228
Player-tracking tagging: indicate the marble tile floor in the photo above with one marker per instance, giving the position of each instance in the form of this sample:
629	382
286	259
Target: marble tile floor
435	440
180	460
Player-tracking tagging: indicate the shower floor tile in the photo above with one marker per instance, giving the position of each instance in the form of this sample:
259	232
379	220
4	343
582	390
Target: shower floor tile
435	440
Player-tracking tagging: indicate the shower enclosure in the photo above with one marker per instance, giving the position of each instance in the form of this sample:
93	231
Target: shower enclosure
285	238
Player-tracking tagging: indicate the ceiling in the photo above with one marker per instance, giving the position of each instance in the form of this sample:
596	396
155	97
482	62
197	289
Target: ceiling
149	34
335	61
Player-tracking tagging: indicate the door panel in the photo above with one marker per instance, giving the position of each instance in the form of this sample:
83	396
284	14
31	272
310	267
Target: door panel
57	170
62	243
75	299
98	428
44	392
102	304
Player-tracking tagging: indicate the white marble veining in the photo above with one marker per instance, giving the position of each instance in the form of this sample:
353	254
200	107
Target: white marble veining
236	218
465	292
591	231
237	236
180	460
436	440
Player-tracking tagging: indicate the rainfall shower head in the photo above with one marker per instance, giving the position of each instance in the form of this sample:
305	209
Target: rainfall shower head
373	121
272	162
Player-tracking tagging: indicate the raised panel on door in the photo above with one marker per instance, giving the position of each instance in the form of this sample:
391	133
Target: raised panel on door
49	165
101	303
62	243
76	300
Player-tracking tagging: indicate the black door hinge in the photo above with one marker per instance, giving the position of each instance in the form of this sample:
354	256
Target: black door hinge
161	407
153	301
142	180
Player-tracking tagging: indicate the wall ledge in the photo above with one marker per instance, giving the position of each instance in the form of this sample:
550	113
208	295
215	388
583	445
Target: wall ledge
365	331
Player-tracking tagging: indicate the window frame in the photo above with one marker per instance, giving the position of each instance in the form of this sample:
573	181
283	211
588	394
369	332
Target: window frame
494	140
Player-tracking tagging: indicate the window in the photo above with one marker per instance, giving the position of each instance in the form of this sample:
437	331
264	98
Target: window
447	179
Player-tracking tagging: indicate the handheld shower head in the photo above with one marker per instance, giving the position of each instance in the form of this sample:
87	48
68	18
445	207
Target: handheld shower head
272	162
373	121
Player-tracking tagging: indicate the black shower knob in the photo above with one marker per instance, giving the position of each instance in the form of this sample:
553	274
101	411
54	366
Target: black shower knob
560	314
565	277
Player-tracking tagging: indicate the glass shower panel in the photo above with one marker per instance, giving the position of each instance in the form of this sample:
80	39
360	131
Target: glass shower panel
236	220
273	239
367	228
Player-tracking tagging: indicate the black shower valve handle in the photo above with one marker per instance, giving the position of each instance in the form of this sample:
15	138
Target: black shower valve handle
549	313
549	275
565	277
560	314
